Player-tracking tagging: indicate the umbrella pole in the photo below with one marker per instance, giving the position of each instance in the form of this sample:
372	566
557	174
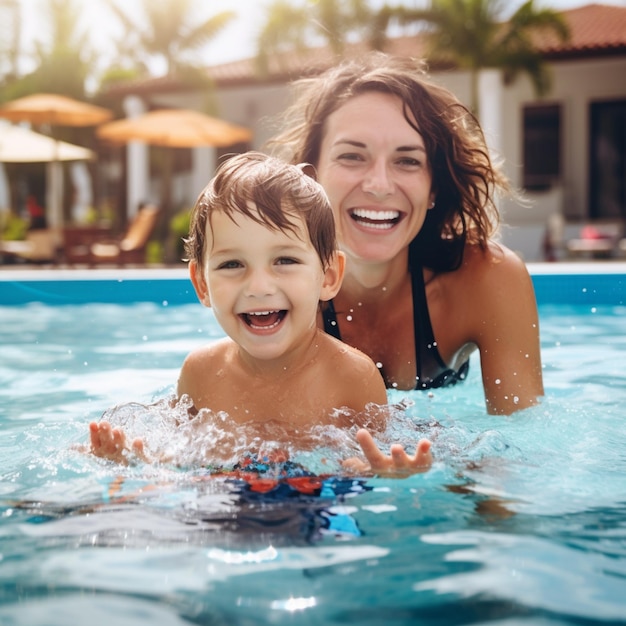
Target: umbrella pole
54	184
166	204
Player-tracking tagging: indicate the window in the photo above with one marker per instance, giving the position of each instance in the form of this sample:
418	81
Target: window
542	146
608	160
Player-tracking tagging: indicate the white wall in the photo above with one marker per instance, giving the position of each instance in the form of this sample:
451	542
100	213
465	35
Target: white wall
251	106
576	84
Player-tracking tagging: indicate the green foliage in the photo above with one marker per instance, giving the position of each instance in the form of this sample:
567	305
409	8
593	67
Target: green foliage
179	228
154	253
473	34
294	26
169	31
63	60
13	227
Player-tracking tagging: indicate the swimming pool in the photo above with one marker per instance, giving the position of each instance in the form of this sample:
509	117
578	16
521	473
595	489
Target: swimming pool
522	520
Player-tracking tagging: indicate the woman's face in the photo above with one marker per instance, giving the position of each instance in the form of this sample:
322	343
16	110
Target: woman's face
375	170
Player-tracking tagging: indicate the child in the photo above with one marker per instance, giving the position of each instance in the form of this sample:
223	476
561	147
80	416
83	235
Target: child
262	254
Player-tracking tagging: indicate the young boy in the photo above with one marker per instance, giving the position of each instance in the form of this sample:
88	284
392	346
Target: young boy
263	254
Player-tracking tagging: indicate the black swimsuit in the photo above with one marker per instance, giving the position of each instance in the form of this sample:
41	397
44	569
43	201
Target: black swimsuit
431	370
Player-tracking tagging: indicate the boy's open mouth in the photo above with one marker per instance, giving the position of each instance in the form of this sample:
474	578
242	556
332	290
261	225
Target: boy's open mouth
263	320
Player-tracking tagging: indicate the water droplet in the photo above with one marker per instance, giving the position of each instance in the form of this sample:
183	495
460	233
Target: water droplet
498	381
348	318
379	365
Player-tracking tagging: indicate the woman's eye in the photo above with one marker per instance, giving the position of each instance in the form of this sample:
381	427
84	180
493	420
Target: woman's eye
349	156
409	162
286	260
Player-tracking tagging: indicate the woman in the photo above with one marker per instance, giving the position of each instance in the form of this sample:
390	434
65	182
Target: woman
409	177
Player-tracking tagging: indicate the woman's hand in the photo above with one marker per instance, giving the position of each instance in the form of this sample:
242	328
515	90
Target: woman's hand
398	465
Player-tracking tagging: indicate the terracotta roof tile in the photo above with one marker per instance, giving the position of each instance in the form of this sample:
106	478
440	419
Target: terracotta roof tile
594	29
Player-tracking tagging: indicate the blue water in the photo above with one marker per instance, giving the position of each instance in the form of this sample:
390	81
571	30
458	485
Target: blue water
522	520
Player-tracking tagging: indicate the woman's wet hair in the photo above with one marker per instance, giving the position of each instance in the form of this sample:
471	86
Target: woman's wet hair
465	180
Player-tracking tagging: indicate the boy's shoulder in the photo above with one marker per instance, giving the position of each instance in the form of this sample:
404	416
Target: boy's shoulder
217	350
348	358
353	374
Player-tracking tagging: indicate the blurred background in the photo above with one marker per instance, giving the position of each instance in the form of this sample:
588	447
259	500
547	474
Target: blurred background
553	107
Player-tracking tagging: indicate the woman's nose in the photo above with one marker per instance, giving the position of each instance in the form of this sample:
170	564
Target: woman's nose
377	180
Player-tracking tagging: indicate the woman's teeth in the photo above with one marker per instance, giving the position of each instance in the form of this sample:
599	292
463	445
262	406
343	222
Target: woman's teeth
376	219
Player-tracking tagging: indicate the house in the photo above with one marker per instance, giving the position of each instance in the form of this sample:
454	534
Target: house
567	151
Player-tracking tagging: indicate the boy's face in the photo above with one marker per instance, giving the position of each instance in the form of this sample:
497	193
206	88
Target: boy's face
265	285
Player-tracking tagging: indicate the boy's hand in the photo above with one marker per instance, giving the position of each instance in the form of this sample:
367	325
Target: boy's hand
399	464
110	443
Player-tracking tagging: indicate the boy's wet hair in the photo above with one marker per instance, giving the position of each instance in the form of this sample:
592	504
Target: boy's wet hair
280	191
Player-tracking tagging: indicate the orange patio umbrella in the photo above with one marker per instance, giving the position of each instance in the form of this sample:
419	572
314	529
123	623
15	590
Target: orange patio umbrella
55	110
175	128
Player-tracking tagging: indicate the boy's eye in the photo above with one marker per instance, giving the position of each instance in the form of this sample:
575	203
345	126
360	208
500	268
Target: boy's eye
229	265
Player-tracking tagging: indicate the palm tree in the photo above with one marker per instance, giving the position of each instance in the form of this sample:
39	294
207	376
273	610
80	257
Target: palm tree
292	26
473	35
169	33
10	39
63	61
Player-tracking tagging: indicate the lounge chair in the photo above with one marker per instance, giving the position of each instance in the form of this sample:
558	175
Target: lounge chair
132	247
597	240
39	246
77	242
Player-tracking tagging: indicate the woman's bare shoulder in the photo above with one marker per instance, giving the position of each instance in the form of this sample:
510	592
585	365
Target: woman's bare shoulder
496	262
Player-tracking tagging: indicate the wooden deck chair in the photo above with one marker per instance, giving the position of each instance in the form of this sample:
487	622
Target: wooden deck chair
39	246
132	247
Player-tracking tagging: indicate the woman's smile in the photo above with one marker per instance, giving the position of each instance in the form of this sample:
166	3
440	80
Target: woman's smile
376	219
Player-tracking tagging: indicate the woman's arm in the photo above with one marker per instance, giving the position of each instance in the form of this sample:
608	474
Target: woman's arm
504	324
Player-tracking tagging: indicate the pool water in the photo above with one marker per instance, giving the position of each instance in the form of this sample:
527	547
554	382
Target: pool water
522	519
